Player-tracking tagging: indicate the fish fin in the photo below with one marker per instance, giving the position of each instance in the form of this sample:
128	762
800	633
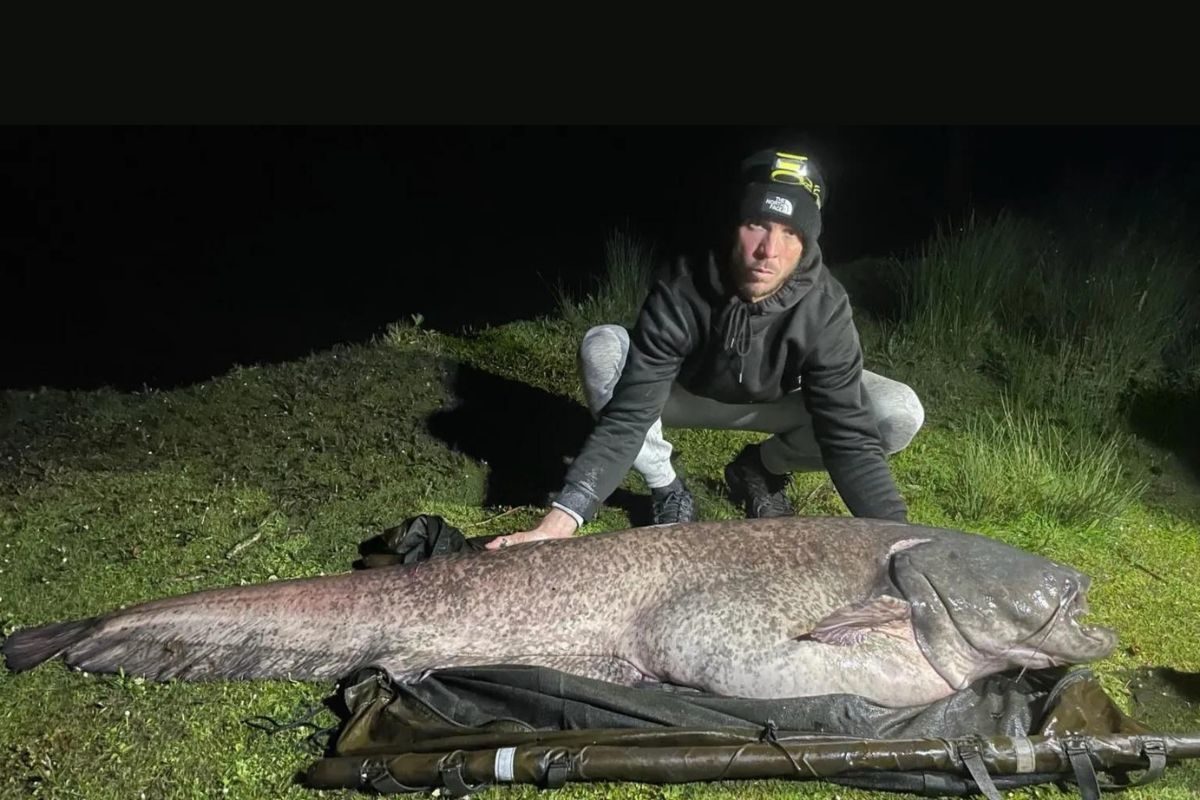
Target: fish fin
105	644
414	668
904	544
850	624
29	647
164	658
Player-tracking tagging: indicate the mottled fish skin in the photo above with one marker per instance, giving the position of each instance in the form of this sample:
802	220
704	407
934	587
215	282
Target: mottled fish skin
729	607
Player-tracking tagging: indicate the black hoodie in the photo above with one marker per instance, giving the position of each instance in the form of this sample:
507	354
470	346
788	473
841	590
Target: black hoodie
694	329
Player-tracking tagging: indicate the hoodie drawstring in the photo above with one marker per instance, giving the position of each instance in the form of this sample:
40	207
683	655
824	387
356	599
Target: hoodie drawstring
737	326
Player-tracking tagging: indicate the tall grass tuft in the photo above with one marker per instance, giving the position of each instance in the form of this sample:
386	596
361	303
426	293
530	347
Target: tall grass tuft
1072	322
617	297
1020	462
966	282
1125	300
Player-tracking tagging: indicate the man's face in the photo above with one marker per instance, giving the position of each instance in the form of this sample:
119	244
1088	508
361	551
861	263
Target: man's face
765	255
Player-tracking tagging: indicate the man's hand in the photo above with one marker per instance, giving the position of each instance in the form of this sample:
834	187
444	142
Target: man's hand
557	524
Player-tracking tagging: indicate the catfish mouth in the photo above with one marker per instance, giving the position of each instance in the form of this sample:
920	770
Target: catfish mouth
1063	638
965	640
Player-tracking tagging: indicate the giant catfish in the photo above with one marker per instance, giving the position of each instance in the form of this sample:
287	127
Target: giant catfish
900	614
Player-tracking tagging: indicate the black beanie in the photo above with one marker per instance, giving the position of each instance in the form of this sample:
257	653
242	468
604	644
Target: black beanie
784	185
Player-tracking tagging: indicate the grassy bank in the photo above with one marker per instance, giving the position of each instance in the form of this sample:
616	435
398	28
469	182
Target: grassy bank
1056	377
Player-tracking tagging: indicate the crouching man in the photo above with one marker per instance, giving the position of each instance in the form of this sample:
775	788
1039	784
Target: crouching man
762	339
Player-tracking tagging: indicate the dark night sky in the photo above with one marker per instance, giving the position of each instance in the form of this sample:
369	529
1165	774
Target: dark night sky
165	255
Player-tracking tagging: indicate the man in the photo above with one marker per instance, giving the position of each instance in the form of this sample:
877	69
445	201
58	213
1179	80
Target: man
766	343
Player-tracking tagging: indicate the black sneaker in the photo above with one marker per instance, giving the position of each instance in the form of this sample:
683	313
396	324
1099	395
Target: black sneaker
671	507
761	493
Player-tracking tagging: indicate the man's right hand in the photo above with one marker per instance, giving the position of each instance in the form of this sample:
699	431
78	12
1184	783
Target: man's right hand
557	524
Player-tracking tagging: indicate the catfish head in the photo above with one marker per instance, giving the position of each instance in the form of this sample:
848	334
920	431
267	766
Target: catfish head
980	606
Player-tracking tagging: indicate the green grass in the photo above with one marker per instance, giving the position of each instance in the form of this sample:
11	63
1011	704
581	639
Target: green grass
1016	463
962	286
109	498
617	295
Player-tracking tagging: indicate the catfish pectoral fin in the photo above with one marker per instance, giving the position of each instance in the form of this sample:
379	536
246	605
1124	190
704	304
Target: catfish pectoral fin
27	648
849	625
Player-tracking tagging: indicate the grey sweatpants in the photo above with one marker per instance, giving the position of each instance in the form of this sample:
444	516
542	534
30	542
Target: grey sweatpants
792	448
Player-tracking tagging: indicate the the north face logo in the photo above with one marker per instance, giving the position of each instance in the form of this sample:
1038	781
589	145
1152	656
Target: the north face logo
778	204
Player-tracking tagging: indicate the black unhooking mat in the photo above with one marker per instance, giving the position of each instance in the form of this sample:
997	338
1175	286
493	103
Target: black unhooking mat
460	729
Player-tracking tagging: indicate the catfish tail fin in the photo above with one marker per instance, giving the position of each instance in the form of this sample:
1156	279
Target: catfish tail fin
27	648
